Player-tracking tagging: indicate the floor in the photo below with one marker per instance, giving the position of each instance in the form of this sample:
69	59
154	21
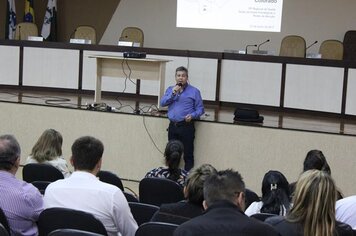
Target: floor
213	113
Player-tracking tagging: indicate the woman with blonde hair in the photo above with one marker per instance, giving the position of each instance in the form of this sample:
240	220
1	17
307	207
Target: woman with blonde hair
313	210
48	149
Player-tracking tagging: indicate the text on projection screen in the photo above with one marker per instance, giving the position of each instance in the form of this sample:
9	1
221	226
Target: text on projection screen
249	15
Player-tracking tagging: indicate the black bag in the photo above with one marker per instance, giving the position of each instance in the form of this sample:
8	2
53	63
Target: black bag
247	115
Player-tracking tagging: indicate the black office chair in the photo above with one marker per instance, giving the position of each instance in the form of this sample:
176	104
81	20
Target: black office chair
4	222
41	185
130	197
72	232
110	178
250	197
40	172
349	43
156	228
142	212
63	218
3	231
262	216
157	191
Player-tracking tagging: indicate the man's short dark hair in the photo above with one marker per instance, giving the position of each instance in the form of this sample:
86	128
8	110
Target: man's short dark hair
223	186
182	68
9	151
86	153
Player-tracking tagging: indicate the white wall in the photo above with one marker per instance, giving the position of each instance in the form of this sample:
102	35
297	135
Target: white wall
314	20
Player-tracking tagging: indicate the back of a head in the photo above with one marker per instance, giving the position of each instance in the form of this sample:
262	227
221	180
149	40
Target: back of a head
225	185
86	153
173	154
10	151
314	203
195	183
275	193
315	159
48	146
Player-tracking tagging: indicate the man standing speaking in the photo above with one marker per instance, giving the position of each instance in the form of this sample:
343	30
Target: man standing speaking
184	106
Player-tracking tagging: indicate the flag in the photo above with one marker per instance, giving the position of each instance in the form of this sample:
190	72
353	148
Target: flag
29	12
49	28
10	20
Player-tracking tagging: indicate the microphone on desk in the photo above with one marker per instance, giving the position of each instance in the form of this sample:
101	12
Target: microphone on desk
311	45
258	48
249	45
19	32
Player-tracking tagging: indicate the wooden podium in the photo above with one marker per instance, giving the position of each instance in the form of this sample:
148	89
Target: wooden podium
141	68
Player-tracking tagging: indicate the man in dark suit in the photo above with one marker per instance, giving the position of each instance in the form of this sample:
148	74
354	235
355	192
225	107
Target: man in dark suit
224	202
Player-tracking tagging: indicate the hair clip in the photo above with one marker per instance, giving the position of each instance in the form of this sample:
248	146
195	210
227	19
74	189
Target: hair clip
273	186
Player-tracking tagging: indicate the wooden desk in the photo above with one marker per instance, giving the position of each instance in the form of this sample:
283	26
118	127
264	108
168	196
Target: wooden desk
145	68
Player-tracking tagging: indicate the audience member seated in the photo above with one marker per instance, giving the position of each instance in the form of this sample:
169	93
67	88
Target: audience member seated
315	160
275	195
346	211
21	202
178	213
313	210
48	149
224	202
173	154
83	191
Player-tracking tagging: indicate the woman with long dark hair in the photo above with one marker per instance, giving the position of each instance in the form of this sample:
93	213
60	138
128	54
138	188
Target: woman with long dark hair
173	155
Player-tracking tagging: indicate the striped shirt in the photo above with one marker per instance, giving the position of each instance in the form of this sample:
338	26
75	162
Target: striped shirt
21	202
162	172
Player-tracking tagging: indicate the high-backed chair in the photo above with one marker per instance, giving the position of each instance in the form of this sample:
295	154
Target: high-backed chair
4	222
25	29
63	218
40	172
293	46
332	49
142	212
3	231
130	197
157	191
110	178
85	32
132	34
350	45
41	185
156	228
72	232
262	216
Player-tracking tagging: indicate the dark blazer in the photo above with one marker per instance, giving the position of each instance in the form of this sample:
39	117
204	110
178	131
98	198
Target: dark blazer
286	228
177	213
224	218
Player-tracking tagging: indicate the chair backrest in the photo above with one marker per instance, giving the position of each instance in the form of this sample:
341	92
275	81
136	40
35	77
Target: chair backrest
41	185
85	32
350	45
157	191
132	34
332	49
25	29
250	197
40	172
130	197
72	232
142	212
3	231
293	46
63	218
4	222
110	178
156	228
262	216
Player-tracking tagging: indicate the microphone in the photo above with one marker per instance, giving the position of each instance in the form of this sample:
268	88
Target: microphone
249	45
258	48
19	32
180	84
311	45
